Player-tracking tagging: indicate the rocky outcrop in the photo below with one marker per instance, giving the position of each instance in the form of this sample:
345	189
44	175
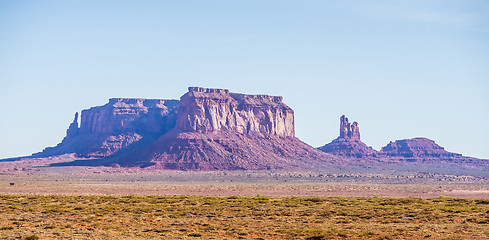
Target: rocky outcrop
418	149
219	130
209	110
73	128
348	144
107	129
349	131
225	151
214	129
144	116
208	129
421	150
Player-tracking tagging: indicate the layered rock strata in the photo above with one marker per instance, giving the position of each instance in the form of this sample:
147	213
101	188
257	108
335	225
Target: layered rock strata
420	150
208	129
219	130
106	129
348	144
207	110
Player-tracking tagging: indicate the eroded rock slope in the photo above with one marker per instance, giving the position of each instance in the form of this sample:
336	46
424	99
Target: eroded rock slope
208	129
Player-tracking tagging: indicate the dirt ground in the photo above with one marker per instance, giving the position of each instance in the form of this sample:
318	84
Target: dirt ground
239	184
31	176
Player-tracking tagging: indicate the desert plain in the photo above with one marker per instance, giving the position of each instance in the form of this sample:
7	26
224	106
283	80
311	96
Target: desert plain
72	202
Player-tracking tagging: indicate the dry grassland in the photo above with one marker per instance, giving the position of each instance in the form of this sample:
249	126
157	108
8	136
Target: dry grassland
191	217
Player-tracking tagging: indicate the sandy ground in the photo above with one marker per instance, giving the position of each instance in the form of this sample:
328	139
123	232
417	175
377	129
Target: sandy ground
34	177
229	184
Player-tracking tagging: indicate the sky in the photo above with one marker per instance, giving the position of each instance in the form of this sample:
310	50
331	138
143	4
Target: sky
401	69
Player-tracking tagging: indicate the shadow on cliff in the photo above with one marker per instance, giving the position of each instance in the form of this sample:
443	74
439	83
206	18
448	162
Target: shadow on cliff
98	162
114	159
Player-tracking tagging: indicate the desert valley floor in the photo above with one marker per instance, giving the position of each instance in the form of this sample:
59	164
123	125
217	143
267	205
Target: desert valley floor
72	202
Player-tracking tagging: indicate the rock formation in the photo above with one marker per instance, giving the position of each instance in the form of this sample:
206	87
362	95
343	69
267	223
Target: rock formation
214	129
73	128
219	130
418	149
106	129
349	131
208	129
207	110
348	143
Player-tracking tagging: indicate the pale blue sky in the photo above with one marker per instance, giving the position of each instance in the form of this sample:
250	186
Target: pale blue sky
402	69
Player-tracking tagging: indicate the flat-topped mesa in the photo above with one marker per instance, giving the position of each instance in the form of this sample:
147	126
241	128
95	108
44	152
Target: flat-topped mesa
417	148
209	110
130	115
104	130
349	131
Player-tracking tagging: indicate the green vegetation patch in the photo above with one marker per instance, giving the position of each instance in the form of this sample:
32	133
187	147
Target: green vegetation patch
175	217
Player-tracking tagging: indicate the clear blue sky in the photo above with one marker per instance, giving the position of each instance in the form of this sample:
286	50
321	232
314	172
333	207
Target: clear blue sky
402	69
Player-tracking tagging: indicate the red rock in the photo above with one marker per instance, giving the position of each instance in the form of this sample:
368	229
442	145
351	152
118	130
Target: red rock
207	110
349	131
418	149
116	125
348	143
219	130
208	129
73	128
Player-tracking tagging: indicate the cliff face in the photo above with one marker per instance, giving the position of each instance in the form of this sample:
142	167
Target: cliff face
208	129
349	131
208	110
348	143
219	130
144	116
114	126
214	129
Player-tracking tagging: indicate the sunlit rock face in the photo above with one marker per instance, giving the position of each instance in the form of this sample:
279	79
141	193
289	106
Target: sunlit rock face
208	129
207	110
219	130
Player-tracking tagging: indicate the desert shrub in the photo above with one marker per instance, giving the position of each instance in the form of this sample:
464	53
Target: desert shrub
195	235
31	237
482	201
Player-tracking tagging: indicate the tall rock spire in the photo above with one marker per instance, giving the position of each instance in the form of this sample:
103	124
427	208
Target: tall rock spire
349	131
73	128
348	143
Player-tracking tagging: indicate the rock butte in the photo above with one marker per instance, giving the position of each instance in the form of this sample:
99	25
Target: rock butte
208	129
214	129
411	150
348	143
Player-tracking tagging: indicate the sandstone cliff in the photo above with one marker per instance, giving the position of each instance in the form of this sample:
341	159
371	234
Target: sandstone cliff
106	129
214	129
208	129
144	116
207	110
348	143
219	130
